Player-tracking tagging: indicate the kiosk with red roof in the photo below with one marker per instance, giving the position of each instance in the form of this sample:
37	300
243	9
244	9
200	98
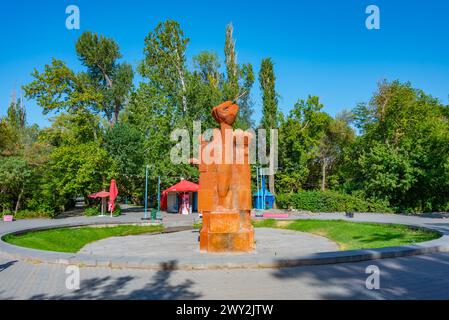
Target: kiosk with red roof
181	198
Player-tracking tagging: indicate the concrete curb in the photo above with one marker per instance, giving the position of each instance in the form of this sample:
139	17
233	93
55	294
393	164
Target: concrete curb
216	262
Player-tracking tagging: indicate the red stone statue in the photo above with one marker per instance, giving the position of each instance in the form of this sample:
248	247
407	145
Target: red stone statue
225	186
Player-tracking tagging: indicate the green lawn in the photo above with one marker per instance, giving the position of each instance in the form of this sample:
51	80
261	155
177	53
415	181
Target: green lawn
348	235
355	235
71	240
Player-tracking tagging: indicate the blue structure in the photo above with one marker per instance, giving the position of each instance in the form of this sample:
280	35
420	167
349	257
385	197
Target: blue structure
263	199
259	202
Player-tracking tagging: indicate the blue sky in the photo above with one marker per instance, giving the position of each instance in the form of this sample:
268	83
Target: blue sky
319	47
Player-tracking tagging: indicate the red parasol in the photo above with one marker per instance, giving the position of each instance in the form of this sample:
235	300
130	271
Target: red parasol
113	193
101	194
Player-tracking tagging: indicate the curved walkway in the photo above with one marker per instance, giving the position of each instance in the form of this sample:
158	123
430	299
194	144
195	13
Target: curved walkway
207	261
417	277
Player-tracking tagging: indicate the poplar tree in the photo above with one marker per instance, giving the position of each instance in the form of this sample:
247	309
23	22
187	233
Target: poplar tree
270	117
239	82
164	65
245	103
231	88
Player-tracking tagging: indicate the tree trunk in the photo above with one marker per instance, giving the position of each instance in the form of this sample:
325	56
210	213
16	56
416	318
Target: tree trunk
323	177
18	201
117	104
106	76
180	70
118	107
184	90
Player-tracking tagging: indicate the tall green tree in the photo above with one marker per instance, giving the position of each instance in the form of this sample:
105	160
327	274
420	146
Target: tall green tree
86	103
231	88
205	87
403	153
100	56
244	119
7	139
164	101
267	80
103	88
270	113
72	128
239	82
338	137
21	155
207	66
57	88
10	137
14	175
125	146
80	169
300	136
164	65
16	114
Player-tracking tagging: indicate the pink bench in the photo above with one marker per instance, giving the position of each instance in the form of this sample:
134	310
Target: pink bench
8	218
276	215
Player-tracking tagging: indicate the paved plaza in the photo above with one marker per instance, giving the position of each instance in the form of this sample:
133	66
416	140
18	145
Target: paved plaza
416	277
420	277
270	243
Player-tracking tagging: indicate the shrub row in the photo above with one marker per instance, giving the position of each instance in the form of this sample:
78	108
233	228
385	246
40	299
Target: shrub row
96	210
28	214
329	201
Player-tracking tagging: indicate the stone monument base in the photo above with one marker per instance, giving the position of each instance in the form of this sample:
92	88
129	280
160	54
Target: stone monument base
227	232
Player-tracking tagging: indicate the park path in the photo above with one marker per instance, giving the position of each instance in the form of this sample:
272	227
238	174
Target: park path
417	277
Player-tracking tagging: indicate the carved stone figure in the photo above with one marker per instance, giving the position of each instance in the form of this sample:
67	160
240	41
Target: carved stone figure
225	186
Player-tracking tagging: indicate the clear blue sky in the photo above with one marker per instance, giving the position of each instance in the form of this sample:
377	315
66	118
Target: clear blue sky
319	47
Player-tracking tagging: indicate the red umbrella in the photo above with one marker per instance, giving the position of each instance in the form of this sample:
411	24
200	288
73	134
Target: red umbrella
102	194
113	193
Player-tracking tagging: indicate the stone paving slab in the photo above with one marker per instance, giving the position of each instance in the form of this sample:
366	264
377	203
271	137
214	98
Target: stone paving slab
270	243
419	277
229	261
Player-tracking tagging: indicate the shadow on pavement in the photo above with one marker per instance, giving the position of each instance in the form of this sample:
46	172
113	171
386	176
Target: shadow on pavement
5	266
70	214
107	288
132	209
419	277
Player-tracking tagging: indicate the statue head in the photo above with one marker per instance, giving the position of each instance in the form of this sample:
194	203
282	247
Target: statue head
225	113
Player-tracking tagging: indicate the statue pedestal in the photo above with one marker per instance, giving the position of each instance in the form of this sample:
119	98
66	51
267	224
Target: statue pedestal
227	232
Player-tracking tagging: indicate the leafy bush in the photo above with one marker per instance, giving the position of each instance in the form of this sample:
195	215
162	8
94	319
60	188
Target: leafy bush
329	201
45	206
117	211
96	210
6	213
28	214
92	211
